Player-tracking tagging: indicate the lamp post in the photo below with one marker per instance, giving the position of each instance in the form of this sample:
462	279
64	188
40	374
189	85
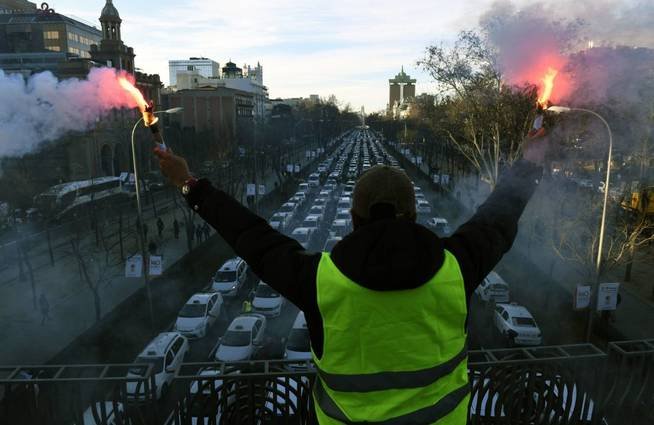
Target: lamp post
600	244
137	183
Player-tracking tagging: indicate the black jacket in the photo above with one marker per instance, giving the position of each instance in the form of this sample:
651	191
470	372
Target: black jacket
385	255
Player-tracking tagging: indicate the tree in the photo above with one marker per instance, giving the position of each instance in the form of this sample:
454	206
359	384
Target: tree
485	119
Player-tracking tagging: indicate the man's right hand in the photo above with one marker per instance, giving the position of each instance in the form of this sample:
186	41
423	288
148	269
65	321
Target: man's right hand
174	167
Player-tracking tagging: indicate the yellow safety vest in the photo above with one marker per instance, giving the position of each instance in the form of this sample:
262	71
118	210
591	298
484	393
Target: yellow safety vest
392	357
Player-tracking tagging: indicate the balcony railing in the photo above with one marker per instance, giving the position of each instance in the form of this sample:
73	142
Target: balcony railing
566	384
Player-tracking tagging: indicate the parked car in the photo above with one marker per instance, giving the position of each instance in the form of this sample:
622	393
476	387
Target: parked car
198	314
267	301
165	353
340	228
516	325
318	210
493	288
280	221
289	208
229	279
303	235
440	226
344	202
344	214
330	243
423	207
244	337
314	180
298	344
304	187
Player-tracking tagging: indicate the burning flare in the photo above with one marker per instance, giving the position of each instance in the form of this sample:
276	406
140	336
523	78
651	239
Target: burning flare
146	108
547	85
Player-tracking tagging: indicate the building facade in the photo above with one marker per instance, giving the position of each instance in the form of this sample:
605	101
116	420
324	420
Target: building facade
205	67
402	90
34	40
247	79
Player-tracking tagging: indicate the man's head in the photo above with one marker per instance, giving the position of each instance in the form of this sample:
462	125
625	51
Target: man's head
380	193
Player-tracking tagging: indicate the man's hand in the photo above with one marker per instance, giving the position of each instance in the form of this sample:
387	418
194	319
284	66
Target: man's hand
173	167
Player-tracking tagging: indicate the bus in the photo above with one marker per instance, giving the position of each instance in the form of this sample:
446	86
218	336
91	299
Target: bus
65	198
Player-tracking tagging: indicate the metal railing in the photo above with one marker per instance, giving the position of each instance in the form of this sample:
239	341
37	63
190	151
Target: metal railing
566	384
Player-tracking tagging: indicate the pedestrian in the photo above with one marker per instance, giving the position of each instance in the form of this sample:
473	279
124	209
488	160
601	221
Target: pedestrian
160	226
206	230
247	306
198	233
176	228
393	295
152	247
45	308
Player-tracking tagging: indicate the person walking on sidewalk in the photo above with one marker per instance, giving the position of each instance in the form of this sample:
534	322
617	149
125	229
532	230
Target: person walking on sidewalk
176	228
387	309
44	306
206	231
160	226
198	233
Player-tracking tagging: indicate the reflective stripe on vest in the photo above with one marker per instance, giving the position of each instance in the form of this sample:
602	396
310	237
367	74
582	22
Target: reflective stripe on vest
391	380
392	356
427	415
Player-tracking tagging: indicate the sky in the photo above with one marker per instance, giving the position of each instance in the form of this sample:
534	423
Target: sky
346	48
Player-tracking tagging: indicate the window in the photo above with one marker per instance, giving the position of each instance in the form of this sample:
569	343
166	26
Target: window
169	359
177	345
51	35
73	50
505	316
53	48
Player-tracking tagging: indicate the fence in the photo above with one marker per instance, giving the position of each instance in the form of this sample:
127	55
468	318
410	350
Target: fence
567	384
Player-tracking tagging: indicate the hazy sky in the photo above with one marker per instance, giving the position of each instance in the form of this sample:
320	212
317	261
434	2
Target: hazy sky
346	48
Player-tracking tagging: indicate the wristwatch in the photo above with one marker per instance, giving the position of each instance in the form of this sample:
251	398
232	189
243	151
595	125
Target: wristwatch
188	185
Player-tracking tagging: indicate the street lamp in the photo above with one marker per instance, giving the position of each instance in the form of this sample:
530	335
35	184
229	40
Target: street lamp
600	244
137	182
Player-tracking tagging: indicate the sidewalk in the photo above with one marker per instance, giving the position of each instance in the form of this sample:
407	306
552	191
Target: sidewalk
71	302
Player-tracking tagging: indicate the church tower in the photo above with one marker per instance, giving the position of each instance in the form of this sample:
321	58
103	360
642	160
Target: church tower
112	51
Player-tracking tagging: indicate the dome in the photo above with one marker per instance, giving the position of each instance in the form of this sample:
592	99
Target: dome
109	11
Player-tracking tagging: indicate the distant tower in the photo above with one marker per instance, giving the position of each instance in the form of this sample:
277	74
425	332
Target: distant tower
112	51
402	88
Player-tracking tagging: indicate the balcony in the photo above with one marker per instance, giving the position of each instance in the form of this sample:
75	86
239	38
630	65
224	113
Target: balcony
566	384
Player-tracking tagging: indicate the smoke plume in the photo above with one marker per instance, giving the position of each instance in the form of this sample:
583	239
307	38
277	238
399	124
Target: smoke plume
42	108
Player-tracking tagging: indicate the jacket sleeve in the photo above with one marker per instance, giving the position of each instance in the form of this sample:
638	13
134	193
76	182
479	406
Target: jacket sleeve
276	259
480	243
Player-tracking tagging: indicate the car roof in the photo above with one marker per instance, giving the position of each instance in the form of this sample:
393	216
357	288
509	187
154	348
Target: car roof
312	217
300	230
243	322
200	298
440	220
231	264
158	346
339	222
493	277
516	310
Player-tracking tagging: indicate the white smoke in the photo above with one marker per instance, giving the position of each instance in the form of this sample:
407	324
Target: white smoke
42	108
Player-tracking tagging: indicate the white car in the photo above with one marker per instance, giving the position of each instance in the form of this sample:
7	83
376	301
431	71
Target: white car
165	353
314	180
267	301
493	288
198	314
230	277
243	338
298	345
304	187
301	195
312	221
303	235
330	243
318	210
344	214
280	221
289	208
321	201
423	207
340	228
440	226
203	404
344	202
516	325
